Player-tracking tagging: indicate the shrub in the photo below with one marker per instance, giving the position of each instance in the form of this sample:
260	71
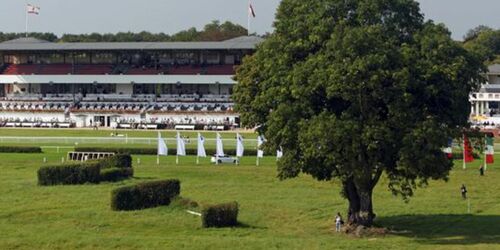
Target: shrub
116	161
69	174
12	149
145	195
221	215
116	174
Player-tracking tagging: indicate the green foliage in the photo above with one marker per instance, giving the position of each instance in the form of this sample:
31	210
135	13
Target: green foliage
484	42
18	149
214	31
353	89
221	215
145	195
69	174
116	174
116	161
115	168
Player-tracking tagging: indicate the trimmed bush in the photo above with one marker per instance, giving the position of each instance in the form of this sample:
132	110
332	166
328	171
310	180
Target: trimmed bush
15	149
116	161
221	215
115	168
116	174
69	174
153	151
145	195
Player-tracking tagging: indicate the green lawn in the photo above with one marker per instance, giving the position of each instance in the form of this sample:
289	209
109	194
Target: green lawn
291	214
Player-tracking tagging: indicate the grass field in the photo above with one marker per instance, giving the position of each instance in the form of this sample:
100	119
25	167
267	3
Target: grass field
291	214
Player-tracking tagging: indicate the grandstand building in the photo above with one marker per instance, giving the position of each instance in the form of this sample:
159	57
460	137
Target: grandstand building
485	102
183	85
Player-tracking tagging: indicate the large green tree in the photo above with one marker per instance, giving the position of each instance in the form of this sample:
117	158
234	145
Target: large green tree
353	89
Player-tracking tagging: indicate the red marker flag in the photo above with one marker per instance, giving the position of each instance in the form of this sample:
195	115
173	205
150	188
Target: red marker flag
468	156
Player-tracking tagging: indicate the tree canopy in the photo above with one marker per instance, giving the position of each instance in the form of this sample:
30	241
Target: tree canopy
353	89
485	42
214	31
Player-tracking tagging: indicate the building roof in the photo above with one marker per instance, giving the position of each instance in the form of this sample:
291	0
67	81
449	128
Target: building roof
33	44
117	79
494	69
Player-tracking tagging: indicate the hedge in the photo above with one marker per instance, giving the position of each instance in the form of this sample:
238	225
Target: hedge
116	174
69	174
116	161
114	168
153	151
145	195
221	215
16	149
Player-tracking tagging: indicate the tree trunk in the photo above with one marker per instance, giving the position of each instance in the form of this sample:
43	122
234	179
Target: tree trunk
360	210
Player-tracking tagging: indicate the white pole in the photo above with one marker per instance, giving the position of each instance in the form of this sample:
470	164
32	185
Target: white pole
26	15
177	160
468	205
248	18
463	151
157	159
257	161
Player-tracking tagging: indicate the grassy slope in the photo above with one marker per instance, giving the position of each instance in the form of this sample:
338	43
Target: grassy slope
293	214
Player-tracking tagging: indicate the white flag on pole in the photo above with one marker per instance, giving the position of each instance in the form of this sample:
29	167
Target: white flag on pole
260	141
201	146
181	146
162	146
279	152
219	146
32	9
239	145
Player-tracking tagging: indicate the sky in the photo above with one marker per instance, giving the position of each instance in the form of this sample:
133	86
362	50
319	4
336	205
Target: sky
171	16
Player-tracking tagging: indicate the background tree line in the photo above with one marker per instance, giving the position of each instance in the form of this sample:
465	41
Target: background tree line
214	31
484	41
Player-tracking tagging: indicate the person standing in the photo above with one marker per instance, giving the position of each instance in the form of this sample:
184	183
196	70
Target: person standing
463	189
338	222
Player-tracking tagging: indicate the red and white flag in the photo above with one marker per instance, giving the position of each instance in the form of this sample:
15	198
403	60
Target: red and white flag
490	150
32	9
251	11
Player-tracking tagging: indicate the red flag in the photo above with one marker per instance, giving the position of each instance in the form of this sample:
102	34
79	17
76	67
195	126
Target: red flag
468	156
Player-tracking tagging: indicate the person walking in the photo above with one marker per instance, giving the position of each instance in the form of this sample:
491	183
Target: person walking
463	189
338	222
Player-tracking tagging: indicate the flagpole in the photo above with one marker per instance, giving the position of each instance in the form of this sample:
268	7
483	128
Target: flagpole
463	151
248	18
26	16
485	152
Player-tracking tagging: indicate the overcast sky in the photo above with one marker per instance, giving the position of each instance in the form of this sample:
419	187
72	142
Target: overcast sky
170	16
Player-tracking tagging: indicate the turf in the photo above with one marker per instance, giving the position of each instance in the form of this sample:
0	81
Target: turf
274	214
